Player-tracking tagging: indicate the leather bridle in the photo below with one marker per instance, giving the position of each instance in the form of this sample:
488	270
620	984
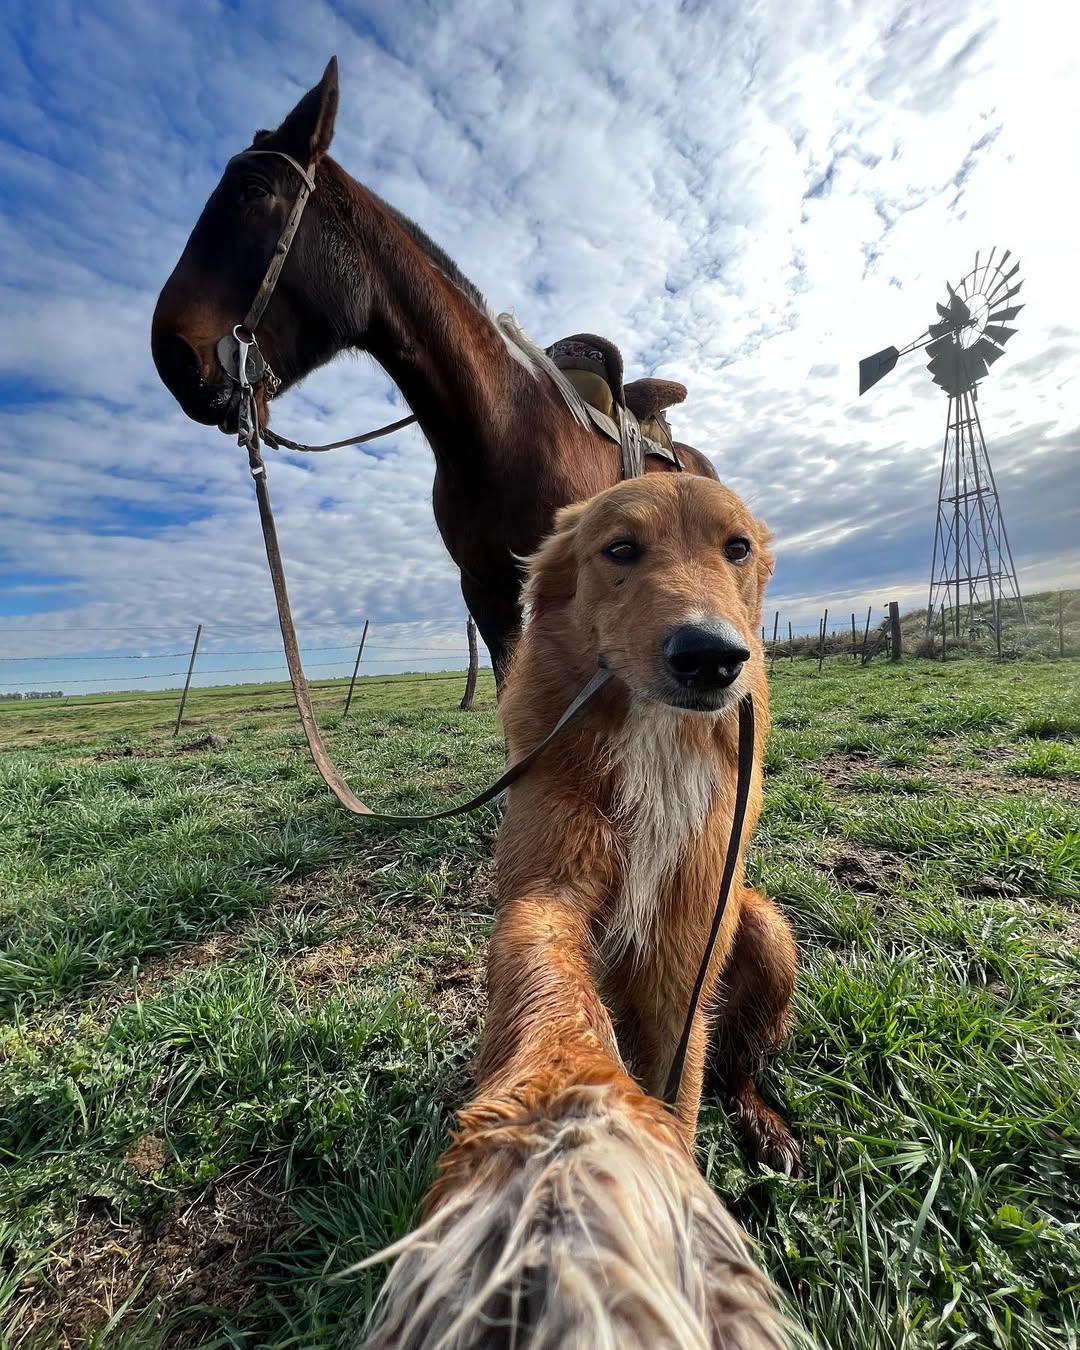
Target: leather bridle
238	352
239	355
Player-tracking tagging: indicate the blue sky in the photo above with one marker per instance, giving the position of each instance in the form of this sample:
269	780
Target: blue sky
747	198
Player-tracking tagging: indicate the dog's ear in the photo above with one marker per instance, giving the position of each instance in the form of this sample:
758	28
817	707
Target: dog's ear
551	572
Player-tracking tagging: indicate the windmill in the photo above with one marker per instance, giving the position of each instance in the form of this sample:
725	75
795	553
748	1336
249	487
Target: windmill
972	563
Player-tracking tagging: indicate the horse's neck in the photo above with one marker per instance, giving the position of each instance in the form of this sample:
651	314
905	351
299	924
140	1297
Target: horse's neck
442	350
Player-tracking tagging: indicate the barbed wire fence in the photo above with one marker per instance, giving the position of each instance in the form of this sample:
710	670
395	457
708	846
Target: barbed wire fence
197	672
211	673
859	635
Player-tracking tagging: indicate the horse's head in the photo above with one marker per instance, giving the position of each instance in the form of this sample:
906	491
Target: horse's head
226	258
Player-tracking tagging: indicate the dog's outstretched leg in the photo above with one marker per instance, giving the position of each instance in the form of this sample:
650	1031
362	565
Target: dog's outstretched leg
751	1019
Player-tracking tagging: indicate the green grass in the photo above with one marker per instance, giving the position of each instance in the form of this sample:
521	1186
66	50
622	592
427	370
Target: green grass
234	1022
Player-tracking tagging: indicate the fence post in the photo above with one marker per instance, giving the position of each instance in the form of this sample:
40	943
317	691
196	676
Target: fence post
790	642
474	661
896	649
854	647
1061	623
821	645
187	682
943	635
352	682
775	628
866	633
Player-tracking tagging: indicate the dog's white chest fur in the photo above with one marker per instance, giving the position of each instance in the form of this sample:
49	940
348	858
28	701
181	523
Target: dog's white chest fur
667	786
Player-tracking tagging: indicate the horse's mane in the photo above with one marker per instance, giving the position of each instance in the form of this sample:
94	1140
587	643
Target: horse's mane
520	346
437	255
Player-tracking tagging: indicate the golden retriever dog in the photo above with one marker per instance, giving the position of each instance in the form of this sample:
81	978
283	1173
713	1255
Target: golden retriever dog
568	1211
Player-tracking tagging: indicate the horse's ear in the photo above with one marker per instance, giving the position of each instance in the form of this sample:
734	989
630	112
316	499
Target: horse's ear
551	572
308	130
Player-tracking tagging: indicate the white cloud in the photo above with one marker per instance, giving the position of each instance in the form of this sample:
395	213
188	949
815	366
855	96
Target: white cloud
622	169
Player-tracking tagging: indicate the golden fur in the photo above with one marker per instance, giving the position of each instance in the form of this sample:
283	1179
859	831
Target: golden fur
569	1212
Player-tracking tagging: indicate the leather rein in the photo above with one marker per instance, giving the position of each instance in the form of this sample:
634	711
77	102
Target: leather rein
239	355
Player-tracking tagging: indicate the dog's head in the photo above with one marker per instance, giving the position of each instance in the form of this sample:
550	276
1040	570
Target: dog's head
661	579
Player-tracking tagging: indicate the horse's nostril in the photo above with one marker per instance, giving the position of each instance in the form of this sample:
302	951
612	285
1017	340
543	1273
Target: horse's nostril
706	655
176	361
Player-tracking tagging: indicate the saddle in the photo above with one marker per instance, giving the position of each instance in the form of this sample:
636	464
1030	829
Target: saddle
634	412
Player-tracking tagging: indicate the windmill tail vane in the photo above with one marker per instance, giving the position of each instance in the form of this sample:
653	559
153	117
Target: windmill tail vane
972	570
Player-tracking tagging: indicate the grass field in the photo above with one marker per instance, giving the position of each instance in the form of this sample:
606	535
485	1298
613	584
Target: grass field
234	1022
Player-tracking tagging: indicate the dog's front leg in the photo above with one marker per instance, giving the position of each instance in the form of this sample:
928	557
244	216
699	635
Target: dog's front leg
752	1012
544	1009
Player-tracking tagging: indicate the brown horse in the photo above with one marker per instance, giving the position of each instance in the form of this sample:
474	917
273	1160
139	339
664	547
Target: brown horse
509	449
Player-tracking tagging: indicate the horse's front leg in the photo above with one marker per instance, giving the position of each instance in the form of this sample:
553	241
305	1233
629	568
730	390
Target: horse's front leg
498	620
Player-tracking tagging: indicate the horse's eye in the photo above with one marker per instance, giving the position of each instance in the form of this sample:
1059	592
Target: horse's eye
253	192
622	551
737	550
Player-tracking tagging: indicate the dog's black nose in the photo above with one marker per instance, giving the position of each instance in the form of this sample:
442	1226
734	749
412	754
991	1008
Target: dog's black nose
705	655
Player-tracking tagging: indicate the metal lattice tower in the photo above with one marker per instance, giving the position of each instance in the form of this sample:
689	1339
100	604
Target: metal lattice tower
972	572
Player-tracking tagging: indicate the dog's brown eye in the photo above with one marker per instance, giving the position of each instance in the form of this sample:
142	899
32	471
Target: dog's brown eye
737	550
623	551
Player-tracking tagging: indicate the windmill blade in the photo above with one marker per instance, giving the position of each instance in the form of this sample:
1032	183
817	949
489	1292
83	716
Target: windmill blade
985	351
960	311
941	346
948	368
1002	282
1004	315
989	263
1005	258
872	368
998	334
942	310
938	330
1000	295
974	366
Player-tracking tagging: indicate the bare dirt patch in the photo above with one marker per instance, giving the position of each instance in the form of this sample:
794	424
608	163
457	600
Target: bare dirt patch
199	1253
329	965
841	770
147	1155
867	871
963	781
457	992
207	742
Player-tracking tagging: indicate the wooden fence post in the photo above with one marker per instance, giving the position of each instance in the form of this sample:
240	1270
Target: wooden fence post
187	682
821	644
866	633
474	660
854	641
943	635
775	627
356	667
790	642
1061	623
896	647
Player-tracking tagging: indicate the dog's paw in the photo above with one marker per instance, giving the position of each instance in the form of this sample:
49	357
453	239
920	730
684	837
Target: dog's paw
768	1138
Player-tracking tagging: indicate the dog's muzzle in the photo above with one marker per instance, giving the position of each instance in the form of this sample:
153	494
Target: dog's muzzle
705	657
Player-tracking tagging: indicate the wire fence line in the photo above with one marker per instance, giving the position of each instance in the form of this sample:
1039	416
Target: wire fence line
205	678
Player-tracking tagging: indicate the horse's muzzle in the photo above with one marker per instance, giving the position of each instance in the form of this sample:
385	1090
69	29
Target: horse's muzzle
181	372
